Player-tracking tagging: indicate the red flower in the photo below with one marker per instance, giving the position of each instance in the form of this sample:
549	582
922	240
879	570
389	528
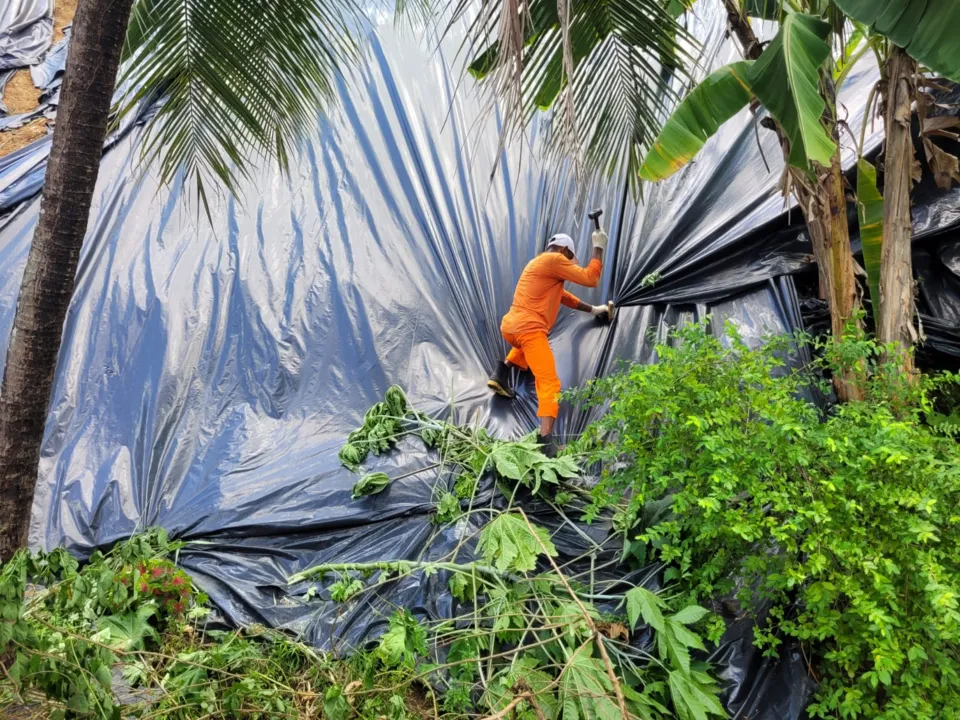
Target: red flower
156	572
144	587
177	580
178	608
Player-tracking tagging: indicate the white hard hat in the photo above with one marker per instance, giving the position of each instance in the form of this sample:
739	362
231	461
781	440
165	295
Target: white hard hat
564	241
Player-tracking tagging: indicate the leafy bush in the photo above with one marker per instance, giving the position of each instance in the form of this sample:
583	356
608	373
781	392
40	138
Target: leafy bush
527	640
845	523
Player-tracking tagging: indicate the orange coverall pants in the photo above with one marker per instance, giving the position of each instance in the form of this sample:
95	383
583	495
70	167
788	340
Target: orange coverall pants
531	351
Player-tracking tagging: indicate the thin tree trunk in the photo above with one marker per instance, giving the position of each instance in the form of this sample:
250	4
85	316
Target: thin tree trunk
896	262
825	211
96	44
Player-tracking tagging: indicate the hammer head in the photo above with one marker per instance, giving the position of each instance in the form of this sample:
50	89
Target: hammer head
595	216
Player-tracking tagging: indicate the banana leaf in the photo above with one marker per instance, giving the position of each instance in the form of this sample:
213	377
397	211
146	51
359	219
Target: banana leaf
763	9
870	211
926	29
786	79
719	97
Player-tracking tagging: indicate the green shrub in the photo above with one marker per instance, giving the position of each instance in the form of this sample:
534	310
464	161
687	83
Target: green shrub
848	522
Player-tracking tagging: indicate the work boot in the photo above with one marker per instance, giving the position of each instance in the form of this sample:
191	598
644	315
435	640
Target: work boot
547	445
499	382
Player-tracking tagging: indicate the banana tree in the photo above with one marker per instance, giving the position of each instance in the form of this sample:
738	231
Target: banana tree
794	79
905	35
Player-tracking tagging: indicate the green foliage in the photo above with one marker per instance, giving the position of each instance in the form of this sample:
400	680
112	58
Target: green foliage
786	79
509	542
625	58
719	97
76	624
527	636
870	212
918	26
470	453
404	641
763	9
370	484
448	509
846	522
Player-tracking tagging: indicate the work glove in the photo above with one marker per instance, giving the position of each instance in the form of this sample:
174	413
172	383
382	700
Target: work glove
600	239
603	311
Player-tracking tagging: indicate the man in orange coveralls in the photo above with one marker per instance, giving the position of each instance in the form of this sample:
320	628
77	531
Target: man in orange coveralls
536	303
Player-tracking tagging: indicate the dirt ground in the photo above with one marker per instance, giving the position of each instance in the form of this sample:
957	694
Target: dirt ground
21	96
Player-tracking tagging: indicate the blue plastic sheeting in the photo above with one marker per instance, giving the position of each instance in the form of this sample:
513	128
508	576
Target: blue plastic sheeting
26	29
208	376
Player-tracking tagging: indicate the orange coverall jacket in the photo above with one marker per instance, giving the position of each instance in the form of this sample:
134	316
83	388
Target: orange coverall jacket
536	303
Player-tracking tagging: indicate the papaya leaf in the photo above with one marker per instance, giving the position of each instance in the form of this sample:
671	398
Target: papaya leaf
719	97
507	543
926	30
870	212
690	615
786	79
643	603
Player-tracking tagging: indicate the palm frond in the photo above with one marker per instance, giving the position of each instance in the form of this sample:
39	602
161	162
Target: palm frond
610	69
240	78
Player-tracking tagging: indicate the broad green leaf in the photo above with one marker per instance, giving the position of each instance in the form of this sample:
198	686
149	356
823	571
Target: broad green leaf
676	8
683	635
764	9
786	79
926	29
370	484
507	543
643	603
404	641
720	96
526	673
870	211
585	691
693	700
125	632
335	705
676	650
690	614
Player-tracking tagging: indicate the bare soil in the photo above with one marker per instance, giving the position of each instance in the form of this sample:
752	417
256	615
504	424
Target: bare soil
20	96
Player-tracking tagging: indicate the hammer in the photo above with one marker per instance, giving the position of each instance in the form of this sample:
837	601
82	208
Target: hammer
595	216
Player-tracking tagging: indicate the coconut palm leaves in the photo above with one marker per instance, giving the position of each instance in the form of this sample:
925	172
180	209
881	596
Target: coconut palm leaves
240	78
609	68
926	29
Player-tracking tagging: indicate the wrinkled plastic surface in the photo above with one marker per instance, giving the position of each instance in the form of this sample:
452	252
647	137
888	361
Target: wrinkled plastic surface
208	377
26	29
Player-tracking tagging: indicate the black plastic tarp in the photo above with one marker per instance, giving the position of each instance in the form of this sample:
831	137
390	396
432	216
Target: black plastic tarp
209	375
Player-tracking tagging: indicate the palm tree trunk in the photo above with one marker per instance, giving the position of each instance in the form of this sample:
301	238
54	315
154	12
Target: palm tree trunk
99	29
896	262
825	211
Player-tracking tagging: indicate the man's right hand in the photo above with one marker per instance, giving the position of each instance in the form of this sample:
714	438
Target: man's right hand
600	240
